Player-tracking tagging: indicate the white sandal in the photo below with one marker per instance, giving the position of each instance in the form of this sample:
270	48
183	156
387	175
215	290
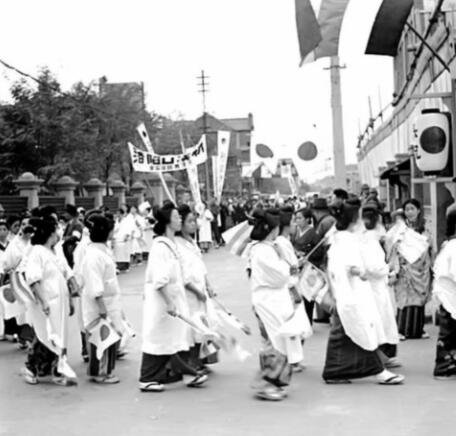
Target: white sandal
151	387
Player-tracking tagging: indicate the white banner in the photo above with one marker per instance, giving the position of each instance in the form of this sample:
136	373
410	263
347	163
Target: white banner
285	171
265	173
147	162
293	187
215	178
223	147
192	172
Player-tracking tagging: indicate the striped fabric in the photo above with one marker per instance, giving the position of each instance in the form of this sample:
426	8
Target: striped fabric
410	321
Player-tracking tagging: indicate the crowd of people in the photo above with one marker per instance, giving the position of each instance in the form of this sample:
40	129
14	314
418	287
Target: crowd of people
343	258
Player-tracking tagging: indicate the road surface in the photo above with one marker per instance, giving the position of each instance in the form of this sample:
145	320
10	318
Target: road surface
423	406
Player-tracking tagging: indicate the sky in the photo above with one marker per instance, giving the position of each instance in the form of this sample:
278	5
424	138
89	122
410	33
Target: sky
248	48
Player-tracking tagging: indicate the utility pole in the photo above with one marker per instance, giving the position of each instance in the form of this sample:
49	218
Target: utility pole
338	125
203	89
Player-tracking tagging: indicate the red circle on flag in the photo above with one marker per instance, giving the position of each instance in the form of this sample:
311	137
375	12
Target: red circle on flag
307	151
104	332
9	295
264	151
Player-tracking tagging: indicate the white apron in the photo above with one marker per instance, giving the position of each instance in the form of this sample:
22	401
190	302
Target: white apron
98	272
162	333
45	267
354	297
272	302
377	271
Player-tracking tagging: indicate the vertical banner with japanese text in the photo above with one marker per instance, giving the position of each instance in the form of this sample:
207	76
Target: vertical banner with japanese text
223	146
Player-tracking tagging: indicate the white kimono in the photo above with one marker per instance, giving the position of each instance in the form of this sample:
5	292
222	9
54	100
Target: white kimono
100	280
289	255
205	230
195	272
122	240
148	234
162	333
354	297
377	273
45	267
272	302
444	287
137	223
14	255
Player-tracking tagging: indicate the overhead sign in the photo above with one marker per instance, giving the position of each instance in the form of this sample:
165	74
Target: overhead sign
147	162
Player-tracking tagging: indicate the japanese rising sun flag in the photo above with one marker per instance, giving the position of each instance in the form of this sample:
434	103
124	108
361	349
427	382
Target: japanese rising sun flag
102	334
319	31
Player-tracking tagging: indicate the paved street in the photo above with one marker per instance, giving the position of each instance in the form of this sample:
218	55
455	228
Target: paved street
422	406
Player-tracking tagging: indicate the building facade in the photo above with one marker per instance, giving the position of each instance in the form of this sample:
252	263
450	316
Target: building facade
239	151
424	74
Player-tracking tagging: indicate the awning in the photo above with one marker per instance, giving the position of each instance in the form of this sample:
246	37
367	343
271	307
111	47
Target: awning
401	168
388	27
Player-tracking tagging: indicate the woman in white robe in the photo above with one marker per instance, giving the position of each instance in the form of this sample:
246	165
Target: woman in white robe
205	230
122	241
196	283
280	328
377	272
444	288
288	253
47	274
356	328
166	337
100	297
136	221
17	249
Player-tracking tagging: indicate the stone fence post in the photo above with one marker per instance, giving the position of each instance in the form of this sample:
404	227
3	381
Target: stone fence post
118	189
95	189
29	186
65	187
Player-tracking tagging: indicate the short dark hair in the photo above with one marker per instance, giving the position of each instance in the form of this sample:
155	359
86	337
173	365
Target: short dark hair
341	193
420	224
163	217
43	229
370	217
286	215
99	227
346	213
264	222
11	220
184	211
71	210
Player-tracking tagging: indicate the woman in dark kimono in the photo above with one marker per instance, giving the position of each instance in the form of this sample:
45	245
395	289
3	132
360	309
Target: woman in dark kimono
304	240
413	280
356	328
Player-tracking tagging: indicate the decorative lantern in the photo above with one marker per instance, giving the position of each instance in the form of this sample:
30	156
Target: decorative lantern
433	136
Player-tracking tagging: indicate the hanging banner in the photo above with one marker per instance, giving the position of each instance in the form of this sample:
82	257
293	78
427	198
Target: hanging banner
293	187
265	173
147	162
223	147
215	179
142	131
285	171
192	172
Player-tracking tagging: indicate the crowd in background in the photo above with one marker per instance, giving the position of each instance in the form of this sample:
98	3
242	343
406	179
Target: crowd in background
379	268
